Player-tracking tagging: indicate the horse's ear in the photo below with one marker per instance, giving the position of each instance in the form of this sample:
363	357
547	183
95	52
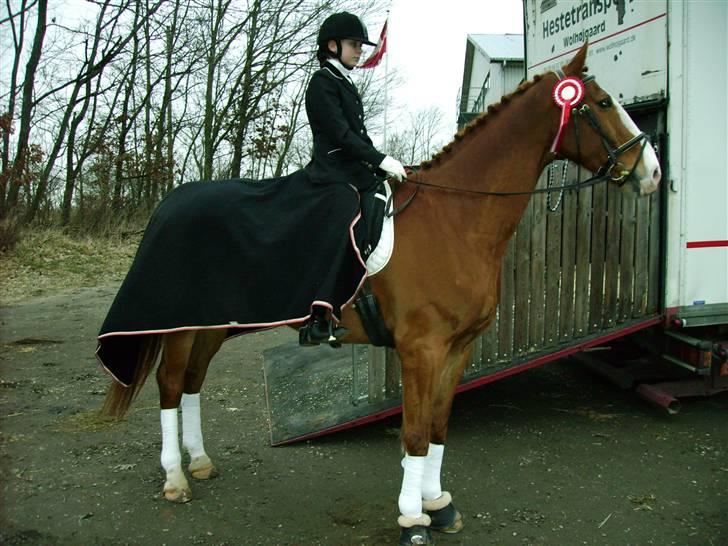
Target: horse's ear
576	65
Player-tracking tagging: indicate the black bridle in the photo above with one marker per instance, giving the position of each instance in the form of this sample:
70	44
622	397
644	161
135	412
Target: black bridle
603	174
613	152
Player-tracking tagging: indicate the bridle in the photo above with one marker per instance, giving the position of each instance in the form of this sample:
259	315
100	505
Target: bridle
613	151
603	174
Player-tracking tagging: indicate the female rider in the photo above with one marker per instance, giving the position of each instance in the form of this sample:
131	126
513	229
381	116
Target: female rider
342	151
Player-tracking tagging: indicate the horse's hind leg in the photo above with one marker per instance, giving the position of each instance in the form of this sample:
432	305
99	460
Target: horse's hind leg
177	347
206	344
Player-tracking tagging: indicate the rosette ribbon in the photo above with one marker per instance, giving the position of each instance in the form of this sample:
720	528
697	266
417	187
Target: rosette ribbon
568	93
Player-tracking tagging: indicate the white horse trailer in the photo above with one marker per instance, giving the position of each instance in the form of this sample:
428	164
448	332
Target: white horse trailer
603	267
666	62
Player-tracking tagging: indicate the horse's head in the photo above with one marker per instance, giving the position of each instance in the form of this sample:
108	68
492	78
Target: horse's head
598	132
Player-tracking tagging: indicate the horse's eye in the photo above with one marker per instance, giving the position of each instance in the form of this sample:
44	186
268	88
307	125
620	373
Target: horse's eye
605	103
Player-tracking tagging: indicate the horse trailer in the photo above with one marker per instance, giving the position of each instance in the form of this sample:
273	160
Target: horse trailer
594	269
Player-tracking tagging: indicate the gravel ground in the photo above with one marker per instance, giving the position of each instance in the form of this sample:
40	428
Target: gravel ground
553	456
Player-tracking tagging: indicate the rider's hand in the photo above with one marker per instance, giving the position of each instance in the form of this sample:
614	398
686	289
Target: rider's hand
393	168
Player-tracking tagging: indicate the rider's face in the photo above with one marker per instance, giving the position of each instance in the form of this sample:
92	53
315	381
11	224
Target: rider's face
350	51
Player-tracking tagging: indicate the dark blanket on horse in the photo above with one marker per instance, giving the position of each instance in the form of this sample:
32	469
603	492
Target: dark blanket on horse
238	254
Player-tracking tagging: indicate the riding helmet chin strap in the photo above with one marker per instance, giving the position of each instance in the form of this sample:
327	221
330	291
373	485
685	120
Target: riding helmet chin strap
339	50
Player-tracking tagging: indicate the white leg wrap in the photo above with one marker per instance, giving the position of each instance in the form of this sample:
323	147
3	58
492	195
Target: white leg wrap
431	488
410	497
171	456
191	425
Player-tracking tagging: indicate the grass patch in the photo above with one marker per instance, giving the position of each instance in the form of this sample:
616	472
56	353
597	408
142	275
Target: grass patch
47	261
86	421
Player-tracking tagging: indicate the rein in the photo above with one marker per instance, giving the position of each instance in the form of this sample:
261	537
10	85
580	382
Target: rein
602	175
594	180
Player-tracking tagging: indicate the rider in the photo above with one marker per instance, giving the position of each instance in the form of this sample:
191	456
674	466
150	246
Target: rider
342	151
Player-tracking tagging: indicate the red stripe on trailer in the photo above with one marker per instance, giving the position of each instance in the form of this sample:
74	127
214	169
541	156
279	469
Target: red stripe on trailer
487	379
706	244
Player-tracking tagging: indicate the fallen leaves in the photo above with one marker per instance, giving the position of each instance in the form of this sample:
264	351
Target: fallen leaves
642	502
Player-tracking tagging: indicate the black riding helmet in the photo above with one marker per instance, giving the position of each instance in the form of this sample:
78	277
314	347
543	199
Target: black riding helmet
343	25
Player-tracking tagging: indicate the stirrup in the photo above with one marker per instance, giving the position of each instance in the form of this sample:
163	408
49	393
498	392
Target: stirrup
336	334
315	332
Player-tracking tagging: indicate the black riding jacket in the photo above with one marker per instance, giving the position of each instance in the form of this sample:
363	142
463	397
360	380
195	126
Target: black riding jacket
342	150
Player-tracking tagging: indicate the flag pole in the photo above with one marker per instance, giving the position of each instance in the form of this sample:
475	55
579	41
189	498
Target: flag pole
386	84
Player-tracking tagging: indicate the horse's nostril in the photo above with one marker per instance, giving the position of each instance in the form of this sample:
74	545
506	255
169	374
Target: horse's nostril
656	175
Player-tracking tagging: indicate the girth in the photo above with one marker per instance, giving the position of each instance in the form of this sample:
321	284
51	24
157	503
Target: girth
367	308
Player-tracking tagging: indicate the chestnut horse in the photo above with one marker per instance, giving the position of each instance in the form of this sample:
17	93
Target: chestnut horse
441	287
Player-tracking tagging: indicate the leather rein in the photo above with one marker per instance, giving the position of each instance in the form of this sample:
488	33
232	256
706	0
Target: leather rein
602	175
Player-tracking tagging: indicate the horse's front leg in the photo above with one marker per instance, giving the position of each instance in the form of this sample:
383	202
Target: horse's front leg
436	502
206	344
420	367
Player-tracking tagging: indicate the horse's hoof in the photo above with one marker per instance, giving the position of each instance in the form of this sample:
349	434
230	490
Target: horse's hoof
174	494
447	520
204	473
415	536
444	517
202	468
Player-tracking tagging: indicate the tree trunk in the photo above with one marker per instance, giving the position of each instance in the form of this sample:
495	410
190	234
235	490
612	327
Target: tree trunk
26	110
18	39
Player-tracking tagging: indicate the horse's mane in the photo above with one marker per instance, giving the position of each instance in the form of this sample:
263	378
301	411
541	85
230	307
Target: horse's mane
478	123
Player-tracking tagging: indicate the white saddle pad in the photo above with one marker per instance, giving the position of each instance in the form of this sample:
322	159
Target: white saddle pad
379	258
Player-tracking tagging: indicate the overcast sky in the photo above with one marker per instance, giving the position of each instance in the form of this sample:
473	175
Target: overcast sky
427	46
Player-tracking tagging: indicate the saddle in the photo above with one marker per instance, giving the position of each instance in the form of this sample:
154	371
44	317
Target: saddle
375	205
368	230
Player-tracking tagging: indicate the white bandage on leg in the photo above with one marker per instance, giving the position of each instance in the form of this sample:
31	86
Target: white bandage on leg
171	455
431	488
410	497
191	425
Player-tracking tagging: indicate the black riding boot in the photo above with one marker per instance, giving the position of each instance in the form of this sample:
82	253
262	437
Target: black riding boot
318	329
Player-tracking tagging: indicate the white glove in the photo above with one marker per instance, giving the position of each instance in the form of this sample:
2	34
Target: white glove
393	168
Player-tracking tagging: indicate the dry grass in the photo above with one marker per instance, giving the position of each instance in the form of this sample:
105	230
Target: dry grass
86	421
47	261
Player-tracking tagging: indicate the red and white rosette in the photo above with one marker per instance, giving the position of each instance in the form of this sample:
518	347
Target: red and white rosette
568	93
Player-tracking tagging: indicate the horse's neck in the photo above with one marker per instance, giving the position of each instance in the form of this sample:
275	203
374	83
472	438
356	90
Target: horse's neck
506	150
506	154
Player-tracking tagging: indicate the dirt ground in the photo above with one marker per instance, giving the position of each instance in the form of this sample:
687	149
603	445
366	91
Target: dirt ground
554	456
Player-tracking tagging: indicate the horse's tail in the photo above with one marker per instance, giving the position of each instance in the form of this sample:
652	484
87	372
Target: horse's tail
119	397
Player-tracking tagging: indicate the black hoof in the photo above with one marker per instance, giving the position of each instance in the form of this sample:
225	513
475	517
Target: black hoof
415	535
446	520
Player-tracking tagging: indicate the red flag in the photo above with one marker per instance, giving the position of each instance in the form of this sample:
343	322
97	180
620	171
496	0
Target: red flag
379	51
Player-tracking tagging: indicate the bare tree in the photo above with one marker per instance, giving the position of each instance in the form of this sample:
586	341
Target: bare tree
16	171
159	92
17	23
418	139
276	56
